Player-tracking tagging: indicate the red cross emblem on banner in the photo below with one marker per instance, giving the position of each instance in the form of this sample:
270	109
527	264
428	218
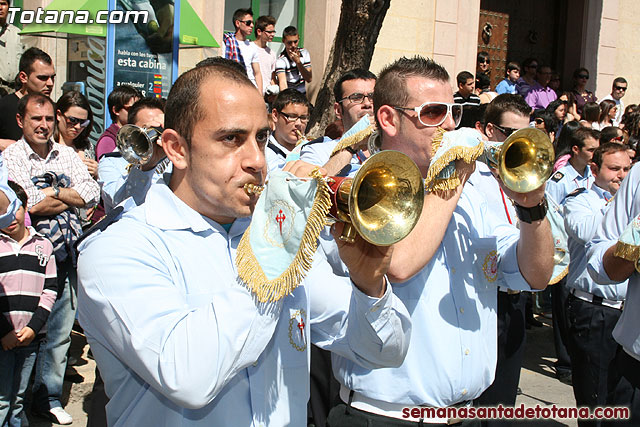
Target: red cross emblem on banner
280	219
301	327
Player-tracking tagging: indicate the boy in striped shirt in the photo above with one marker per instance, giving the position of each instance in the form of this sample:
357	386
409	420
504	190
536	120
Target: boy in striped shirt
28	290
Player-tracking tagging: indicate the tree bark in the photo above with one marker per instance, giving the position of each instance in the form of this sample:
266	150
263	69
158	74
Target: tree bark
353	46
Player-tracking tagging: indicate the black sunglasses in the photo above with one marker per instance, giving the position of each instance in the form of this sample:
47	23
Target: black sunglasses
505	130
248	22
583	76
620	88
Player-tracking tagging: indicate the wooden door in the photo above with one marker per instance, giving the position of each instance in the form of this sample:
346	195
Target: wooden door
493	36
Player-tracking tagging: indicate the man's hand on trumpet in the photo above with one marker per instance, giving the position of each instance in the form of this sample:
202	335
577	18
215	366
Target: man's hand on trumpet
367	263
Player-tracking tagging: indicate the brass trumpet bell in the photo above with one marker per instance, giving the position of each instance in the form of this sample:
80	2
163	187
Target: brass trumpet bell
383	202
524	160
136	143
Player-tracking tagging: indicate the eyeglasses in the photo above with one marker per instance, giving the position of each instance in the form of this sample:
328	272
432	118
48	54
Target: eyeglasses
358	98
76	121
583	76
248	22
507	131
533	66
435	113
538	121
484	61
624	88
291	118
270	32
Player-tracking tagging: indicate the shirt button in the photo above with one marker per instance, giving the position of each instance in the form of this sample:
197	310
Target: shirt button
466	352
453	270
464	391
461	310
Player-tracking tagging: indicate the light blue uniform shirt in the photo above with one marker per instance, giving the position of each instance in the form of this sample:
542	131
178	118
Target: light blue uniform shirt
570	180
181	342
506	86
497	202
582	216
319	152
625	207
118	184
453	304
7	217
276	154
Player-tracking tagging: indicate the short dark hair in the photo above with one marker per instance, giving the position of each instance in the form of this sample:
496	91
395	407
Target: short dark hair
391	87
290	96
20	193
221	60
505	103
619	80
73	98
512	66
527	62
483	56
483	82
608	133
263	22
141	104
183	108
37	98
581	135
239	13
119	97
591	112
463	77
354	74
289	31
606	148
32	55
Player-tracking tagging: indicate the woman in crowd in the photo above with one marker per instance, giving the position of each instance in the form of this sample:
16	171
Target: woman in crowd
608	111
580	92
558	109
563	143
572	110
74	121
483	63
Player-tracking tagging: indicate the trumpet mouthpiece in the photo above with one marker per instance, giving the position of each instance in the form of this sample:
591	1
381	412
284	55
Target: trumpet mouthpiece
252	189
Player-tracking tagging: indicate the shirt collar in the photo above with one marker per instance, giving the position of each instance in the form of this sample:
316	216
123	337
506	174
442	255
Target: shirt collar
163	209
32	233
601	192
272	139
53	149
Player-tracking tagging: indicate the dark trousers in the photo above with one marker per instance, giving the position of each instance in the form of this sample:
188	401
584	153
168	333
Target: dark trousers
344	415
625	369
559	295
593	351
324	390
511	343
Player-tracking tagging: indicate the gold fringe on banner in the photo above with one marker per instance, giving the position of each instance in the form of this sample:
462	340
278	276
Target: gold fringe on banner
467	154
250	271
353	139
560	276
627	251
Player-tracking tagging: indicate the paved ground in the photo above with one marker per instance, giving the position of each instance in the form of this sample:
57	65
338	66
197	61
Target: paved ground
537	380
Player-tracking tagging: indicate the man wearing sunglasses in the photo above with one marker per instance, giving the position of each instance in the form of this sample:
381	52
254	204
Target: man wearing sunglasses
240	49
618	90
36	75
447	271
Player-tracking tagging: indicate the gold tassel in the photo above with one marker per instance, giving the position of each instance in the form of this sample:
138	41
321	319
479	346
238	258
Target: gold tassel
467	154
627	251
353	139
250	271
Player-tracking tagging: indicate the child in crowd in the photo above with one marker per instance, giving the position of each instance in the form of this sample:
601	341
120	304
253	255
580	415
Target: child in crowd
28	290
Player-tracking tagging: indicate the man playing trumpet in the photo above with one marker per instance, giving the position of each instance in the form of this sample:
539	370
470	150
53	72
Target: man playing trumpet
447	270
178	338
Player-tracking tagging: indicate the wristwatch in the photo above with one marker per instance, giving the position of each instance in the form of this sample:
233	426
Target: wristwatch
351	149
56	191
535	213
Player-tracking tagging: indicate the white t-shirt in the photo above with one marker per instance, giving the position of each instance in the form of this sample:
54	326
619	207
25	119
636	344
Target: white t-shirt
267	59
249	52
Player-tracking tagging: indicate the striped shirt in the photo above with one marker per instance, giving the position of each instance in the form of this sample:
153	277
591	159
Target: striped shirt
24	163
28	285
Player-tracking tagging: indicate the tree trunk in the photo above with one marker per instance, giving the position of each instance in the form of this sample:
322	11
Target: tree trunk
358	29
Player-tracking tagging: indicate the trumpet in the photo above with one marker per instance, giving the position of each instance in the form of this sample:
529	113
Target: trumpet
382	203
524	160
136	143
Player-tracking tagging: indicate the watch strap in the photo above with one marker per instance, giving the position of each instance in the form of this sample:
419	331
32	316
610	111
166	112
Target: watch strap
534	213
